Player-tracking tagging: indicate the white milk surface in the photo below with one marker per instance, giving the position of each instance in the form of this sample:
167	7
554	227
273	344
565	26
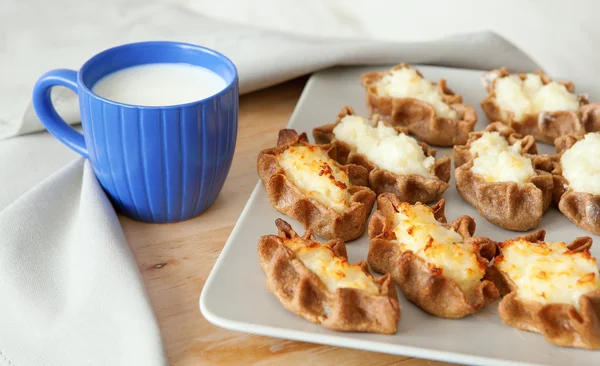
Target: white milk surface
160	84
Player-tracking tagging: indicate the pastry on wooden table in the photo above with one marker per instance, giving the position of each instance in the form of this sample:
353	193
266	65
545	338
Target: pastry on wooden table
497	175
396	162
315	281
534	104
577	179
303	182
495	138
438	266
550	288
430	111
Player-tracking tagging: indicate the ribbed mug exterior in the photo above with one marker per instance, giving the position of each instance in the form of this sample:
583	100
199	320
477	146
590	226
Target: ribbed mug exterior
157	164
161	165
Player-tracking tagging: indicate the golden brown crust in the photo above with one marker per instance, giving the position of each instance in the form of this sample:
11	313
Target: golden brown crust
427	287
560	324
590	117
545	126
419	117
409	188
302	292
509	205
463	155
583	209
563	143
287	198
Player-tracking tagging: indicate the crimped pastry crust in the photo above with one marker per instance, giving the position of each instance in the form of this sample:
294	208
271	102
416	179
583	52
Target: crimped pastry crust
409	188
545	126
560	324
462	153
302	292
421	284
289	199
509	205
583	209
419	117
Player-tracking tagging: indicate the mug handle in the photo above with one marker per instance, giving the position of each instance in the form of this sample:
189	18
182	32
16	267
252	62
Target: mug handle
47	114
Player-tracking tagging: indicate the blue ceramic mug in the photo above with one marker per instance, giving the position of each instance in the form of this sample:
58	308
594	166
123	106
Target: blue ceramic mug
157	164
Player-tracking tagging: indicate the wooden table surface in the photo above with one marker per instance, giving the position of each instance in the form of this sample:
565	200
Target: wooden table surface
175	260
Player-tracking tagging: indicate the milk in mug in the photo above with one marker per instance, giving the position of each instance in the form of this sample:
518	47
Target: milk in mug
160	84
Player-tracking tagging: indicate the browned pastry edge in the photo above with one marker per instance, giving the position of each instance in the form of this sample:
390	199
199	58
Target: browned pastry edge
410	188
422	284
583	209
462	153
545	126
289	199
509	205
302	292
419	117
560	324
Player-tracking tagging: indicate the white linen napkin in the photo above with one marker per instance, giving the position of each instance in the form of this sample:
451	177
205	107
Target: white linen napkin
66	39
70	292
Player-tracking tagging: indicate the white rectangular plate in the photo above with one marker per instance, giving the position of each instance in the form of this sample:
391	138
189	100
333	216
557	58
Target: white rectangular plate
235	296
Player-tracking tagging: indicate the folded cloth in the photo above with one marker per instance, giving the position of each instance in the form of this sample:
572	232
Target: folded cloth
41	35
562	36
70	292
